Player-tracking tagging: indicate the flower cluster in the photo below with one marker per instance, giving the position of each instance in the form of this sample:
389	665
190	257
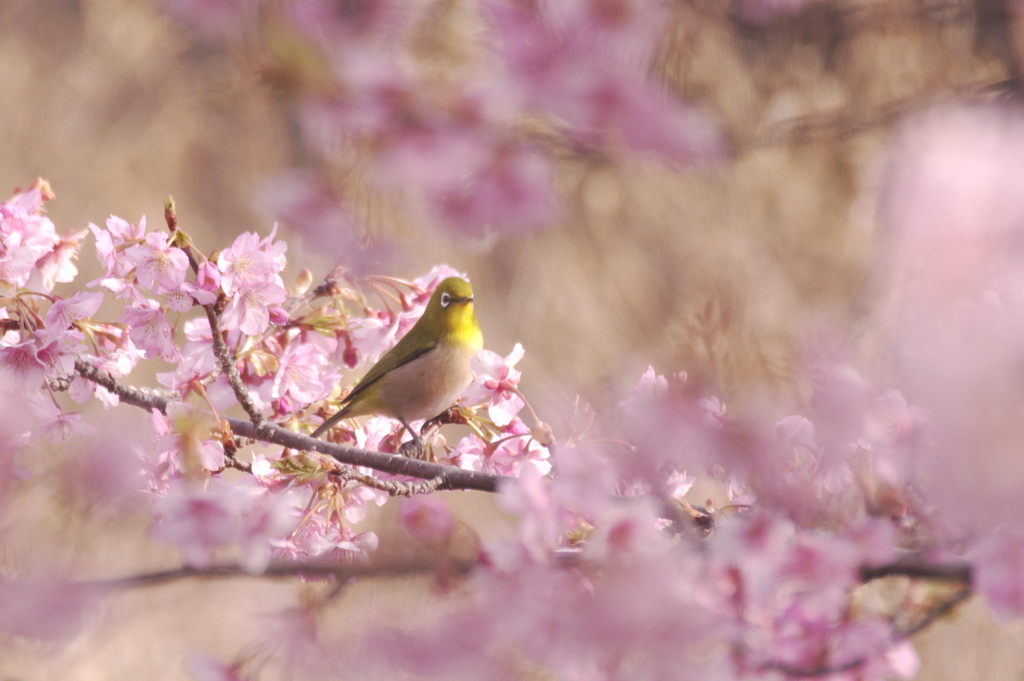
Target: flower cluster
576	69
288	348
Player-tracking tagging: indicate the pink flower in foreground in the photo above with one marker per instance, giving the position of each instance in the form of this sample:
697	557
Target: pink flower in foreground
58	265
249	310
21	362
245	265
303	373
495	381
150	331
158	266
64	313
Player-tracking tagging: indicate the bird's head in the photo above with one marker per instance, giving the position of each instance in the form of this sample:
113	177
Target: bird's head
450	310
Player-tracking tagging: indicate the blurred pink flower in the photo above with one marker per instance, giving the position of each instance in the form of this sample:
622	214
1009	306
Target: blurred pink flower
426	520
53	423
509	192
47	609
650	387
199	518
953	203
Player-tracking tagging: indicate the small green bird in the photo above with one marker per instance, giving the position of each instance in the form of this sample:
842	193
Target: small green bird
427	369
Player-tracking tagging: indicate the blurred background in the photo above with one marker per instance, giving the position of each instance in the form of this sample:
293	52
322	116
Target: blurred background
709	269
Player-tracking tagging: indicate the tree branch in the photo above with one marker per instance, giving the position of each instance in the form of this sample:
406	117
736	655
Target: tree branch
953	572
438	476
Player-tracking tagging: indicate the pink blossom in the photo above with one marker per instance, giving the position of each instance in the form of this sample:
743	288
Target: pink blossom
57	426
331	226
627	532
470	453
158	266
182	440
424	286
714	411
344	546
64	313
495	380
246	265
44	608
510	192
82	390
150	330
22	362
515	449
998	563
198	519
108	242
584	481
268	516
56	350
208	277
650	387
426	520
57	265
541	523
248	310
303	373
116	353
200	344
954	205
568	71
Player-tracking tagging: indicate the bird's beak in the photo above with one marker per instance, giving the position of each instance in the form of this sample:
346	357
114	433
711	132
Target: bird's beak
468	299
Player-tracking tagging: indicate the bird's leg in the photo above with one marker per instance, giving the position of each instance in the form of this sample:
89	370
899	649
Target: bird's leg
414	449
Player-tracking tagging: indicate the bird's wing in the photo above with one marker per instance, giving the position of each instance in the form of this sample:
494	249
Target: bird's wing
392	359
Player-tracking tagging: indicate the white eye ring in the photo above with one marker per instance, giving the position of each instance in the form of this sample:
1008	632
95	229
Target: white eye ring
445	300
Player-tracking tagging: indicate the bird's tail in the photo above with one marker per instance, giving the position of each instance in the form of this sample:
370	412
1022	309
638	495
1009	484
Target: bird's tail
340	414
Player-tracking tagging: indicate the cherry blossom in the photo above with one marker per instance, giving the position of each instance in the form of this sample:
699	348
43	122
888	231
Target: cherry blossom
495	381
158	266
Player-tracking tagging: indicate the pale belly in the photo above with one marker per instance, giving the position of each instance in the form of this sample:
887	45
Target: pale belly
427	386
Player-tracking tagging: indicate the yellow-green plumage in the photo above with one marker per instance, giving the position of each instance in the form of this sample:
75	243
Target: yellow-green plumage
429	366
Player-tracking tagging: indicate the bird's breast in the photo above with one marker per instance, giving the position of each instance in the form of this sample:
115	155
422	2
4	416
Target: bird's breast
426	386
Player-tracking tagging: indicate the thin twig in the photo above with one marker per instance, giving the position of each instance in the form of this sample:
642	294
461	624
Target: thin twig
392	487
276	569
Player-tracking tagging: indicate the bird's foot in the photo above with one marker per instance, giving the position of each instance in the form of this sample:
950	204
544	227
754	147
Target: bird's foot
412	449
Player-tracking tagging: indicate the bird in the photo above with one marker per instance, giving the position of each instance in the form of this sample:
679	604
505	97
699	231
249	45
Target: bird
427	369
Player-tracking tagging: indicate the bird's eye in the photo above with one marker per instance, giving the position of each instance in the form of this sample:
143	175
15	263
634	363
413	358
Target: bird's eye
445	300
